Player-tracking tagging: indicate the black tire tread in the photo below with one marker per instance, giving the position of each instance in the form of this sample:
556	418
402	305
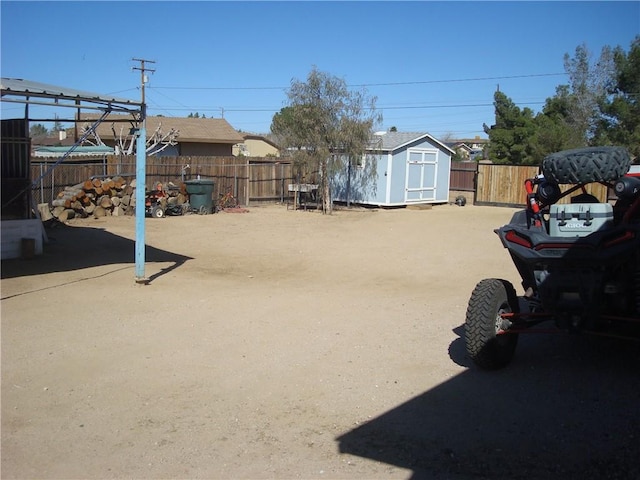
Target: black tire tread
586	165
482	345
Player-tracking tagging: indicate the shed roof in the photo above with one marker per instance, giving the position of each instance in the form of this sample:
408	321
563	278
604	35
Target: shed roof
195	130
394	140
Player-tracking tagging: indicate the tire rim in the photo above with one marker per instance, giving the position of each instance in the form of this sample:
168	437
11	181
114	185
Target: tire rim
502	324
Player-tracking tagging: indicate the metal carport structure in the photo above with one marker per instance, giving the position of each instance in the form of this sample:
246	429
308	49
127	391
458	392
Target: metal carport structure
17	186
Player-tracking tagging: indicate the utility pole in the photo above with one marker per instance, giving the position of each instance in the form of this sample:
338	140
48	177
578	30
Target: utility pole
143	77
141	176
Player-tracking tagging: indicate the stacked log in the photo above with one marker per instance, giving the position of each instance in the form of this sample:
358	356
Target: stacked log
100	198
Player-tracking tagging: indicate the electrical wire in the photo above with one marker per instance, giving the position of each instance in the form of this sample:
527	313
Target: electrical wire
422	82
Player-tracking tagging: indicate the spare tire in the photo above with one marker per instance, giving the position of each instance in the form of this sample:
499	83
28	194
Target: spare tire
586	165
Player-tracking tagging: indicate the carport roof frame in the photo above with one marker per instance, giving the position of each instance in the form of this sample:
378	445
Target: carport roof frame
17	90
23	91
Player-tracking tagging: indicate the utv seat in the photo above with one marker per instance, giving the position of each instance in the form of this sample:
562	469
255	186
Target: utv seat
585	198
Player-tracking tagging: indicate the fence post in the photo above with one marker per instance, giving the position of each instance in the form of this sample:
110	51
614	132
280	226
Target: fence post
475	183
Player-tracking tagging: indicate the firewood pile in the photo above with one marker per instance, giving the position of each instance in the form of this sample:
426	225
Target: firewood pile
101	198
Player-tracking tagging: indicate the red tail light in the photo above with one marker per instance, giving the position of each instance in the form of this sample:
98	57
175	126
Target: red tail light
513	237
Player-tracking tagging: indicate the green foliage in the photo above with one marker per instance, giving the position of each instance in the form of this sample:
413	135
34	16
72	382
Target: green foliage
509	138
588	88
38	130
458	157
324	126
554	131
620	121
599	106
284	127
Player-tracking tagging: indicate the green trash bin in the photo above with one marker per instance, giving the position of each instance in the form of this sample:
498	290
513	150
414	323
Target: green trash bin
200	195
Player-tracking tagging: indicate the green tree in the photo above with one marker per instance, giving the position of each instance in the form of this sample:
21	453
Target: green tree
326	126
620	120
283	124
57	126
38	130
511	136
598	106
553	131
287	132
588	82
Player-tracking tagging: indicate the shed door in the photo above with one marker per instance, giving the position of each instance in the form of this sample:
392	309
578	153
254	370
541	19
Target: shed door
422	170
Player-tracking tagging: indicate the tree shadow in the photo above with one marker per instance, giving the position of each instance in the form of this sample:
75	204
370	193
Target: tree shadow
77	248
567	407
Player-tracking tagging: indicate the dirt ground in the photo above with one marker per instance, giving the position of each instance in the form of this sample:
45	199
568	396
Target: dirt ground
281	344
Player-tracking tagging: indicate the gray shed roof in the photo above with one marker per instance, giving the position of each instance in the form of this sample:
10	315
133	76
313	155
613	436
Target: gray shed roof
394	140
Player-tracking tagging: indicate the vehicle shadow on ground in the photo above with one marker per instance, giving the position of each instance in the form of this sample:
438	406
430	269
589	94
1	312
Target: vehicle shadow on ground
567	407
76	248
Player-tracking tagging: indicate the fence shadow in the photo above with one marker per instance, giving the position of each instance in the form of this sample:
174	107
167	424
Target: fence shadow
76	248
566	408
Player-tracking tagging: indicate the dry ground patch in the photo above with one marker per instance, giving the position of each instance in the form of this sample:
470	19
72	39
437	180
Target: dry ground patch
288	344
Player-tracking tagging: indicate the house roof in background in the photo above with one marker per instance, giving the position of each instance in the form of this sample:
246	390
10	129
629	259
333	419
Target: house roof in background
50	140
469	141
192	130
395	140
257	136
458	145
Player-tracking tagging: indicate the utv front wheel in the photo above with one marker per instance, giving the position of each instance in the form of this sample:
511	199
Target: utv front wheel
486	343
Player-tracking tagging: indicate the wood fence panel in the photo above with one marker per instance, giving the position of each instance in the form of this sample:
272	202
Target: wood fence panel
463	176
270	181
248	178
503	185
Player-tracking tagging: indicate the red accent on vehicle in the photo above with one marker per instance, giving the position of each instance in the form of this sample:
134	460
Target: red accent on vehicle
630	213
528	185
544	246
626	236
513	237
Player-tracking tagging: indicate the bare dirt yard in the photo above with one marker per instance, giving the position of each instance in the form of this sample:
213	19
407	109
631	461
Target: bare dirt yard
281	344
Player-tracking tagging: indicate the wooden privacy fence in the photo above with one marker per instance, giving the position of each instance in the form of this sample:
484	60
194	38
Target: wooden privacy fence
503	185
250	179
463	176
254	179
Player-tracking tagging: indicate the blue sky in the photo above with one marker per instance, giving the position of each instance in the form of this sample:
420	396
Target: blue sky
433	66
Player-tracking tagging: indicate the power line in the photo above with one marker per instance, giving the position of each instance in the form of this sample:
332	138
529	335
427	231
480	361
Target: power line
476	79
405	107
458	80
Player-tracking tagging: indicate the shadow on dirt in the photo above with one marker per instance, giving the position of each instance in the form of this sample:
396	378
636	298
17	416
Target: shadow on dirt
76	248
567	407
